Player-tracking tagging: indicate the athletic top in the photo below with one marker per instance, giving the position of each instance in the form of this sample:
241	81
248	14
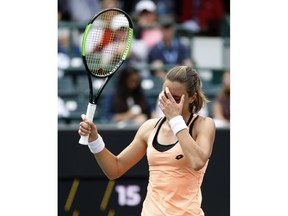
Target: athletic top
173	188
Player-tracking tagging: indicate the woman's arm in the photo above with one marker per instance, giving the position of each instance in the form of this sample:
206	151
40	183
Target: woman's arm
199	150
115	166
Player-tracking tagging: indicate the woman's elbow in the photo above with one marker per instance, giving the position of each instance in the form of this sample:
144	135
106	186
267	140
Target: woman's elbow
113	176
198	165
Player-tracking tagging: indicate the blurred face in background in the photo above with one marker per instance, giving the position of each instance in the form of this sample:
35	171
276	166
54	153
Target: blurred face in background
226	80
147	18
168	33
109	4
133	81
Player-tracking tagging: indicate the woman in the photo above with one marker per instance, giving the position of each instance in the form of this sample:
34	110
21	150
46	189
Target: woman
127	102
178	148
221	103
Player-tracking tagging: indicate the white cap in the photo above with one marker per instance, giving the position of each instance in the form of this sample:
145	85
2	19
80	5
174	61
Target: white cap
119	21
145	5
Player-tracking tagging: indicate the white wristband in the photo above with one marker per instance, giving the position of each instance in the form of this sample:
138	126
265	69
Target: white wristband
97	145
177	124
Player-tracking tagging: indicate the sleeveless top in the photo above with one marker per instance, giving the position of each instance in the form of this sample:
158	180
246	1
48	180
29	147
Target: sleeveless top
174	189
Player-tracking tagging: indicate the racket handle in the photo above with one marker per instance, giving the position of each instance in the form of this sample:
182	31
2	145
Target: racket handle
91	108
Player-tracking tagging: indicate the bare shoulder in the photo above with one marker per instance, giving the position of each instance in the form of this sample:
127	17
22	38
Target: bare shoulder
205	123
204	131
149	124
146	128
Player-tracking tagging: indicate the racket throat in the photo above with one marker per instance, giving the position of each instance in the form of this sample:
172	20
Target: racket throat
101	89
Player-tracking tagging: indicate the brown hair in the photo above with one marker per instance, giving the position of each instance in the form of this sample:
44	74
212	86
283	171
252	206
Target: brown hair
189	76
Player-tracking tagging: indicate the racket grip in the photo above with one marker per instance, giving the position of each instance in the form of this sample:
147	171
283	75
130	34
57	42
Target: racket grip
91	108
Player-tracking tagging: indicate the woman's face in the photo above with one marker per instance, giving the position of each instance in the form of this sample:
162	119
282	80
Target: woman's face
177	90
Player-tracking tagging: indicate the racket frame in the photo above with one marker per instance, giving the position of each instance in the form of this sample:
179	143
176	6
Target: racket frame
91	108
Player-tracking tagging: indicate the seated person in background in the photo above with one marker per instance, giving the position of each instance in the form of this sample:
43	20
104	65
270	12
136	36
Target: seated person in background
203	17
221	103
117	45
127	101
147	33
169	51
63	112
147	26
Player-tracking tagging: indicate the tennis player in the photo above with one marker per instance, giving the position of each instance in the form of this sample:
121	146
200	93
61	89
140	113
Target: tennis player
178	147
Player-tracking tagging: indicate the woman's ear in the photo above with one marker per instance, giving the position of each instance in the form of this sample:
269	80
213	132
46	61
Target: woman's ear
193	98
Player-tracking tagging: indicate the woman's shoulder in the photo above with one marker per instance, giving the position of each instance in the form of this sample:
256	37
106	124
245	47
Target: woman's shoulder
146	128
204	122
150	123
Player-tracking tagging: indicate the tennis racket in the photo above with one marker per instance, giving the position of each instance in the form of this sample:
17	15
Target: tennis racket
105	45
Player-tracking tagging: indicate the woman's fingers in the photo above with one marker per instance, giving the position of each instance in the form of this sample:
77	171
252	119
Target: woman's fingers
169	95
168	104
84	127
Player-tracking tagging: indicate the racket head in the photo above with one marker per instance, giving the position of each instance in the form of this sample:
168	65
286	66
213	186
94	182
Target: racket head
106	42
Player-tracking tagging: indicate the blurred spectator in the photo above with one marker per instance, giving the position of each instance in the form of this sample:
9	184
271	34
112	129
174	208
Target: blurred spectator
63	42
146	34
166	7
111	4
67	38
104	37
221	103
62	110
147	26
117	44
138	57
63	33
169	51
63	10
82	10
204	17
127	102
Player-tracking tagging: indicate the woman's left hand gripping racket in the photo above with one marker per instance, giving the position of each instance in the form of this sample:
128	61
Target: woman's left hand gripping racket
105	46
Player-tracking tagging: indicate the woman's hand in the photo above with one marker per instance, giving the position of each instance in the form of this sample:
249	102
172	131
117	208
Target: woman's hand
168	105
88	128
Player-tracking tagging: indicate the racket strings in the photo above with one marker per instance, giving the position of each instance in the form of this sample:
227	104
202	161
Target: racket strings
107	42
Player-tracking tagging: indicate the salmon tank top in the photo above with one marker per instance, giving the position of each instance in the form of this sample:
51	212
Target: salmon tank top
174	188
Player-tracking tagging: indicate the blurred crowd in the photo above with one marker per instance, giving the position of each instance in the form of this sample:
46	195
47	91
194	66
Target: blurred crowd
161	29
201	16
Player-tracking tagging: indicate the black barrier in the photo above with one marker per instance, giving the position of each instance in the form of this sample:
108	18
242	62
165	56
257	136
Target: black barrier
84	190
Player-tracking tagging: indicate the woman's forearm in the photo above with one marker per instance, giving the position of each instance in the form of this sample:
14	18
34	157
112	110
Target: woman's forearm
108	162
